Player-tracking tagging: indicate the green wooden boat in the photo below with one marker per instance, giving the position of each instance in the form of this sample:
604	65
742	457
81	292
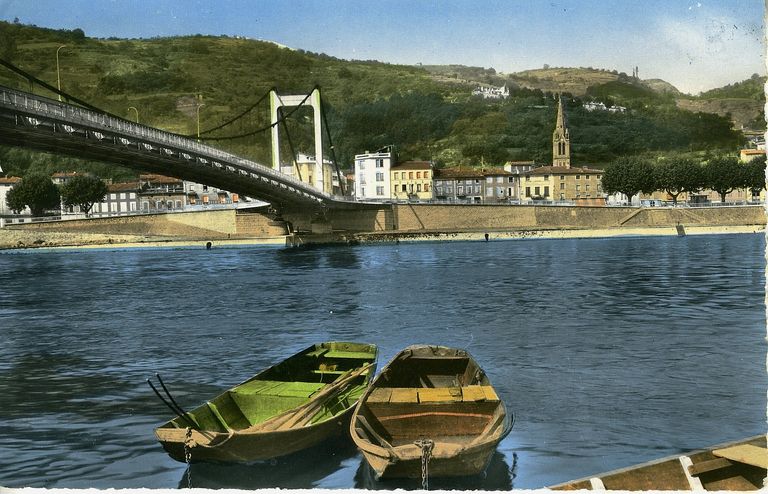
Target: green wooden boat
283	409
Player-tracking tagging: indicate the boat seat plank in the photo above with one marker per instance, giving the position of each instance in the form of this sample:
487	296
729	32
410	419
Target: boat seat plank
709	466
379	395
346	354
404	395
428	395
317	353
279	388
327	371
745	453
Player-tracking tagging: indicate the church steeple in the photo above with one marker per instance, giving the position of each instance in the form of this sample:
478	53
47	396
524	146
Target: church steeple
561	140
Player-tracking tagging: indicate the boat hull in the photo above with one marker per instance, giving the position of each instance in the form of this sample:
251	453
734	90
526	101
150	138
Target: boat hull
434	394
291	406
250	447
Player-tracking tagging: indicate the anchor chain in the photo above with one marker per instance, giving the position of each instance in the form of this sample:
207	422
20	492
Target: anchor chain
188	444
426	446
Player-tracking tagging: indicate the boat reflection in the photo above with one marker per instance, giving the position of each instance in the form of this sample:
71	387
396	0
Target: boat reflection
301	470
499	476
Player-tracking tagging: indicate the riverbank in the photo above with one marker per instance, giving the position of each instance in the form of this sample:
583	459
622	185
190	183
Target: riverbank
29	239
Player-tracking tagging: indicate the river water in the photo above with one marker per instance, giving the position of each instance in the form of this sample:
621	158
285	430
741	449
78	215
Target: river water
610	352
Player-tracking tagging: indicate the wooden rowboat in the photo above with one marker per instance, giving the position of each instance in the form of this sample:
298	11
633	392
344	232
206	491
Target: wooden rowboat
737	466
433	403
283	409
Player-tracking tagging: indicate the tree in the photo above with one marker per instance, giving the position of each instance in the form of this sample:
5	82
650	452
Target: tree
83	191
723	174
35	191
754	175
677	175
629	175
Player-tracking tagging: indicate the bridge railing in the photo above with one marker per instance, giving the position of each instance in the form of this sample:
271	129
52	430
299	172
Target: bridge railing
46	107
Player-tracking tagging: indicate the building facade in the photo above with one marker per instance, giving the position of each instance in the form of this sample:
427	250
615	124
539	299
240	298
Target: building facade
6	184
411	180
563	184
121	198
372	175
474	185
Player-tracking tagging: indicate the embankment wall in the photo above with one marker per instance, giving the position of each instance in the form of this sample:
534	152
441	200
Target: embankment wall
433	217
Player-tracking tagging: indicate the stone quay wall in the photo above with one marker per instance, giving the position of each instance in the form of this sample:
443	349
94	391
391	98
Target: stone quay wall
457	218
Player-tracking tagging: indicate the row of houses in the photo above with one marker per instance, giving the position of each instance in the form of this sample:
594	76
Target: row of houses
151	193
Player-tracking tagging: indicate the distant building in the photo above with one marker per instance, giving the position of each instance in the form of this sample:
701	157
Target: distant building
372	175
161	193
491	92
6	184
411	180
474	185
599	106
121	198
558	183
747	155
304	170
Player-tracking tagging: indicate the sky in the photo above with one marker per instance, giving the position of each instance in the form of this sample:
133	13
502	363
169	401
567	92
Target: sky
694	45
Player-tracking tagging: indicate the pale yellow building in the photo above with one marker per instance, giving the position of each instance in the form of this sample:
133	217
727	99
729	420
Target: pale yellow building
559	183
411	180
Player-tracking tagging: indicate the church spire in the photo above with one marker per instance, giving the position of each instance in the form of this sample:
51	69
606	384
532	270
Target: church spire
561	140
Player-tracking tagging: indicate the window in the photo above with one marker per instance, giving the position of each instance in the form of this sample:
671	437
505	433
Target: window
546	191
586	176
489	191
578	188
536	191
527	192
426	174
578	177
379	190
362	191
460	190
426	187
418	187
379	177
546	177
562	197
527	178
394	175
562	177
410	175
418	174
362	180
562	185
489	180
477	189
361	165
379	163
404	188
586	188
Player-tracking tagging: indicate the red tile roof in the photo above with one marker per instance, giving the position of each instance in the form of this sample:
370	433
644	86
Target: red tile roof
9	180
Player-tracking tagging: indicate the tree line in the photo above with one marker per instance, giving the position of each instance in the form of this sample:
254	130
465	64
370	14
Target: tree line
37	192
631	175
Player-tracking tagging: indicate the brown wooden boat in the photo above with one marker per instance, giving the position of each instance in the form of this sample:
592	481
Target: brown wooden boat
429	403
283	409
736	466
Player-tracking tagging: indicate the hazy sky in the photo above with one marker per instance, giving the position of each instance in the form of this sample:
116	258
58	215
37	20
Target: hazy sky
695	45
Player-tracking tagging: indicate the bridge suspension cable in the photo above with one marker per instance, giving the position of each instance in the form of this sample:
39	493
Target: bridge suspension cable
263	129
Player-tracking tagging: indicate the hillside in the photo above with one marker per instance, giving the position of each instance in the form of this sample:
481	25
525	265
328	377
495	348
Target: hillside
428	112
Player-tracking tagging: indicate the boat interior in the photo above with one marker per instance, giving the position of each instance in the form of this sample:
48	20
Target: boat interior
285	386
447	399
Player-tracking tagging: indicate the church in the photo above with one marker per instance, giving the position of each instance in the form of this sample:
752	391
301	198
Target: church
561	181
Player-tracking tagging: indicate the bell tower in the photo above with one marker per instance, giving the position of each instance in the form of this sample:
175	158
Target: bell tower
561	139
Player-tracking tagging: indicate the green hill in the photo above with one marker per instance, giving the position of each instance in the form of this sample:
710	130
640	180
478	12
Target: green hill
428	112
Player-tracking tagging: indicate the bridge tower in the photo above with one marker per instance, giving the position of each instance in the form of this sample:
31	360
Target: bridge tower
277	101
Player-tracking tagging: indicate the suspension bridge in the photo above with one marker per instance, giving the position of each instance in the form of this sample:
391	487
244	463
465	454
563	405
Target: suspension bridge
75	128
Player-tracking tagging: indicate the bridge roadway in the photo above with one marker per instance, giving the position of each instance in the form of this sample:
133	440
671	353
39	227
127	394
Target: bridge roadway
31	121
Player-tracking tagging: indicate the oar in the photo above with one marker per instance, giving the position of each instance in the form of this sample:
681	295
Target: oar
175	407
290	417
